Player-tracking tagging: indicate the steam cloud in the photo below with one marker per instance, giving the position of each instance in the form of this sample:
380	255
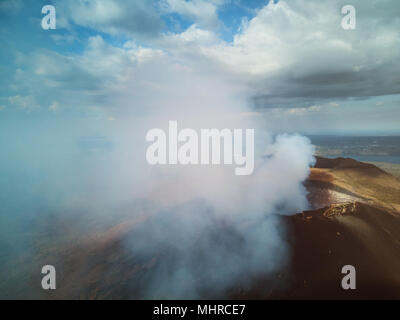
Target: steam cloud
208	229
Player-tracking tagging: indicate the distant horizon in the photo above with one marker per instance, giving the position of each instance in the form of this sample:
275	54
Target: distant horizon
369	134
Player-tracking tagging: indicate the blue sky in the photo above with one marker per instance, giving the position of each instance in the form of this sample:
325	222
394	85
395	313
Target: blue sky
302	72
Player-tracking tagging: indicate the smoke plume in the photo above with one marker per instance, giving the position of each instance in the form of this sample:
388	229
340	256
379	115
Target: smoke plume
209	229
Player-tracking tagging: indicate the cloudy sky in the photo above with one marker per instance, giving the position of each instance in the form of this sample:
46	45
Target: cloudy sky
290	61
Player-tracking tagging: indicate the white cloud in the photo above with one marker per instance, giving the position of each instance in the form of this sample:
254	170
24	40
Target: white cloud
138	18
100	67
291	54
202	12
194	36
300	111
27	103
64	39
54	107
8	5
297	52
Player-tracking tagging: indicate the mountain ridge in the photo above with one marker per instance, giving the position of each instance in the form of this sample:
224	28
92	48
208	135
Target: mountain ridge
348	223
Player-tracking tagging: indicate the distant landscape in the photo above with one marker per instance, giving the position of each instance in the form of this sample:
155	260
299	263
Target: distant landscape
383	151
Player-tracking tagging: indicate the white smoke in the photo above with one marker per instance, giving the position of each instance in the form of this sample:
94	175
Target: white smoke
208	229
211	230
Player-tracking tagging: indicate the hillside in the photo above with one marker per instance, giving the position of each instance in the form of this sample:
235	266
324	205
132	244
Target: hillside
354	220
345	180
358	224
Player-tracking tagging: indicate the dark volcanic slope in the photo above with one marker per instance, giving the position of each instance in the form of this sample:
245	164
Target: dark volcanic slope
360	226
325	240
357	234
